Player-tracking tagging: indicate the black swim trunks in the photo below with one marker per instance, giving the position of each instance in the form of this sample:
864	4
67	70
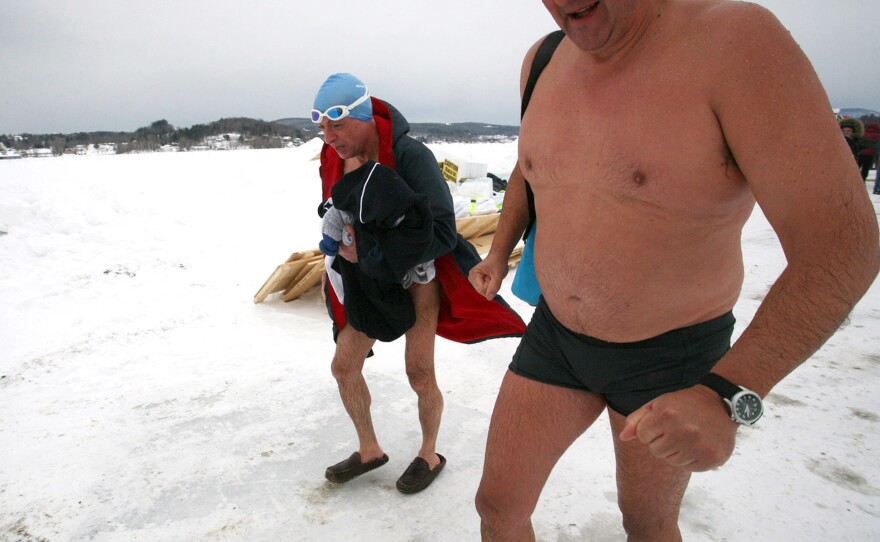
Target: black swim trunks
627	375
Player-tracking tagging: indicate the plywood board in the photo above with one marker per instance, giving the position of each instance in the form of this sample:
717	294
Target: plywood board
309	277
285	274
515	256
482	243
305	255
475	226
278	280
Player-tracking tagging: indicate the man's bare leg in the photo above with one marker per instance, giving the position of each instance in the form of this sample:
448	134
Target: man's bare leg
352	348
532	426
649	491
420	366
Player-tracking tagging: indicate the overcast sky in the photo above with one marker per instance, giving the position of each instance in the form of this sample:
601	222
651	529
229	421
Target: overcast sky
118	65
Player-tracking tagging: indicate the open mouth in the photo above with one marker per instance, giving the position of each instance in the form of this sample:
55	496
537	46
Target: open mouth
584	12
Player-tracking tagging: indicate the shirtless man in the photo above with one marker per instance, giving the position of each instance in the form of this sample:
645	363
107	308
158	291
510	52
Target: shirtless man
647	143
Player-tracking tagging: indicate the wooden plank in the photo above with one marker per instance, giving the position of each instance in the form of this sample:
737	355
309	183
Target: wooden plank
278	280
310	276
303	271
474	226
515	257
487	227
285	274
482	243
305	255
466	226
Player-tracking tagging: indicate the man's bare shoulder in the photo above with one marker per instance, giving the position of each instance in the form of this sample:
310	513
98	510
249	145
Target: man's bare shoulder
728	23
724	13
740	42
527	62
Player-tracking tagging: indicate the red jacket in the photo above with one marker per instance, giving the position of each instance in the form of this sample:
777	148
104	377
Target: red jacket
872	131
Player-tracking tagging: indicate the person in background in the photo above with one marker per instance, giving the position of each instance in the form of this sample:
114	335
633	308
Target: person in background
849	134
877	170
359	128
861	147
647	144
872	132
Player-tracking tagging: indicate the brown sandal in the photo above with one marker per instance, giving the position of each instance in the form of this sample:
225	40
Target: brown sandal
352	468
419	475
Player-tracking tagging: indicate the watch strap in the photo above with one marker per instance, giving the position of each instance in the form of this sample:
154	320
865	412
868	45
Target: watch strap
723	387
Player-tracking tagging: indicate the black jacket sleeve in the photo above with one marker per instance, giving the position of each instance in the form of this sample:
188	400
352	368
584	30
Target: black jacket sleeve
418	167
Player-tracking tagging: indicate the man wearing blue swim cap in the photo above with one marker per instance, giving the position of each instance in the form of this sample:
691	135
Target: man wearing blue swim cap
358	127
343	88
341	99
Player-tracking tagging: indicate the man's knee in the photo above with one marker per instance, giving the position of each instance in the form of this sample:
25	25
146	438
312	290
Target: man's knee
488	509
421	376
499	512
651	529
646	522
352	348
344	370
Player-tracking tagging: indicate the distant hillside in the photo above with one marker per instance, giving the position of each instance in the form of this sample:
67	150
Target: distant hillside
428	132
858	112
256	133
241	125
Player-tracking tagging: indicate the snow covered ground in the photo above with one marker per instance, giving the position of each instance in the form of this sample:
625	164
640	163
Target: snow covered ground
143	396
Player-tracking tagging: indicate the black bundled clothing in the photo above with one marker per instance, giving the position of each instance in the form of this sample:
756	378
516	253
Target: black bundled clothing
393	225
393	229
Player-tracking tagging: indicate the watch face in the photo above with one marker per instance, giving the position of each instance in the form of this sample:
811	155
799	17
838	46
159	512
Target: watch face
748	407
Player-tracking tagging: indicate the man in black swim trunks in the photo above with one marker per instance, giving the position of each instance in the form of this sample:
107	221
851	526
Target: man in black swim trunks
626	375
646	161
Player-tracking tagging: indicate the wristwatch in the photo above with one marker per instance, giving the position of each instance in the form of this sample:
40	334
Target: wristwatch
745	406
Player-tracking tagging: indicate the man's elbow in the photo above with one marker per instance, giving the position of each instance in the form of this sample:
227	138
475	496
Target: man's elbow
874	262
866	263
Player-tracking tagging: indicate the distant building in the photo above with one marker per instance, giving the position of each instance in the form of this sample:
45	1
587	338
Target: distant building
8	154
224	142
38	153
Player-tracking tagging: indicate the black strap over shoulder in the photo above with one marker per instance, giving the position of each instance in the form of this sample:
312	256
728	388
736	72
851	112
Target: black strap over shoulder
542	58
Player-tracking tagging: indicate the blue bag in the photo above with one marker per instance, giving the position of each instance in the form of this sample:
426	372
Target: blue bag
525	283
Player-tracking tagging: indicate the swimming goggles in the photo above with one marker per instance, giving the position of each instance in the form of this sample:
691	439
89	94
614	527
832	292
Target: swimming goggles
339	112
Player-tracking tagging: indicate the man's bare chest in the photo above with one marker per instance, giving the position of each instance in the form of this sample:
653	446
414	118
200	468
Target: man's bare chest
627	139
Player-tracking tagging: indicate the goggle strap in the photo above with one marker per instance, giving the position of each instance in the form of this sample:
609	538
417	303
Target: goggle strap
344	110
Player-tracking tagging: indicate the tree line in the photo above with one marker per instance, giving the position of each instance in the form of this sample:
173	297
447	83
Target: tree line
254	132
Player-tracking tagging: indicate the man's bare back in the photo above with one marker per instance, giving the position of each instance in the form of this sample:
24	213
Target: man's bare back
639	164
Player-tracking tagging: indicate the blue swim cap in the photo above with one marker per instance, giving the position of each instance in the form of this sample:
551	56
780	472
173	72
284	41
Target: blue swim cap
344	89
